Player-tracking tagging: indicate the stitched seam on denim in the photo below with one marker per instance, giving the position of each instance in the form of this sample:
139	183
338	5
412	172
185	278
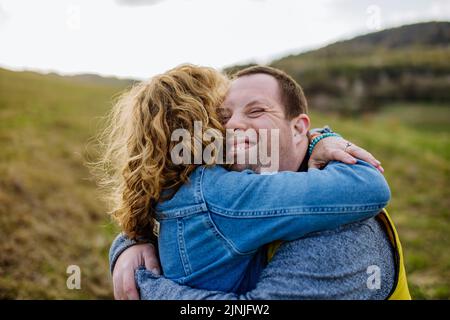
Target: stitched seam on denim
228	242
295	211
201	189
182	247
177	213
198	187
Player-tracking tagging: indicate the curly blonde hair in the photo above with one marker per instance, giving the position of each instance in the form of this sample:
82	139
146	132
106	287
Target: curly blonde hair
135	165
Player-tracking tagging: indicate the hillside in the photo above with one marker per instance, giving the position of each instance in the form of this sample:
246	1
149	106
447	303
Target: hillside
409	63
426	34
94	79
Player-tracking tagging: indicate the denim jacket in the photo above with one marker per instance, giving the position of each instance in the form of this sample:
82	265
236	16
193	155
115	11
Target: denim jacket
213	230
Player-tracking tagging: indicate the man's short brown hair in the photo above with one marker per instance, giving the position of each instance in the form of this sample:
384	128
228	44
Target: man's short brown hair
292	95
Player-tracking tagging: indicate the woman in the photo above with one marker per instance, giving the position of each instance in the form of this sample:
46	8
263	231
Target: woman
214	223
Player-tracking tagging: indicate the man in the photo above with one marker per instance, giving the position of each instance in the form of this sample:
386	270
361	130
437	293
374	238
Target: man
334	264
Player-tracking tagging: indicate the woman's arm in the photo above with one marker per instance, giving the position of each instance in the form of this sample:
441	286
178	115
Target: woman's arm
250	209
287	205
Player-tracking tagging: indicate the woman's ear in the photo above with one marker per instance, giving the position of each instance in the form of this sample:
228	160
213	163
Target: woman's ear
300	127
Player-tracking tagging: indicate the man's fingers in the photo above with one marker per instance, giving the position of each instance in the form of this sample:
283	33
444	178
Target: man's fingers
129	286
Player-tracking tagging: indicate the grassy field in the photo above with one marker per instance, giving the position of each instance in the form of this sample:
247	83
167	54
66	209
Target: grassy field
50	215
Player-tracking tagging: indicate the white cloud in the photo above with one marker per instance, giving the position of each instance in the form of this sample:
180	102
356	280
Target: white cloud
3	15
138	2
104	37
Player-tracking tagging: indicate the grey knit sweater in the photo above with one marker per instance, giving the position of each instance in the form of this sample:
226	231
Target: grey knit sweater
352	262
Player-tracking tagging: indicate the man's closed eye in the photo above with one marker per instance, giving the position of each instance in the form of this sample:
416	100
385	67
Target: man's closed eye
255	113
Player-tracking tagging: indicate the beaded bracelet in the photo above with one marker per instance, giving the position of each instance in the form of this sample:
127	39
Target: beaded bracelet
318	138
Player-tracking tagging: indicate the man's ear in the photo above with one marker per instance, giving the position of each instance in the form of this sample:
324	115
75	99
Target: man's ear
300	127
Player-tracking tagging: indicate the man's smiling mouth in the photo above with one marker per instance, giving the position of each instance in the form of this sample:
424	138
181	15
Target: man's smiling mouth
240	145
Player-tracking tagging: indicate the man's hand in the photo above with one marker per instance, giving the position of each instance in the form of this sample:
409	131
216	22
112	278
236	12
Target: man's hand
127	263
339	149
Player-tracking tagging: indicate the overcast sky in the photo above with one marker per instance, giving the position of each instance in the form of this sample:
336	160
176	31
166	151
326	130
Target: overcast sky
139	38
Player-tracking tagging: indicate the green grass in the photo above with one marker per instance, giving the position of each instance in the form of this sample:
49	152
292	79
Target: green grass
51	216
413	144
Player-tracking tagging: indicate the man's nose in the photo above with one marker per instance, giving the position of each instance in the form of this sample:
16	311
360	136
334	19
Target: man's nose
236	122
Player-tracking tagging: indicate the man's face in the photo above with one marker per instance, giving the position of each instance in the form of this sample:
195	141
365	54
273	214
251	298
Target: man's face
254	102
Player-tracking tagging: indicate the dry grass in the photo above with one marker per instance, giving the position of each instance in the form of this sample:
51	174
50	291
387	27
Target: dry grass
50	215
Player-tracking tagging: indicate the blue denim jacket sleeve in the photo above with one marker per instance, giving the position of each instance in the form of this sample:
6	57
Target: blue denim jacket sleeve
251	210
268	204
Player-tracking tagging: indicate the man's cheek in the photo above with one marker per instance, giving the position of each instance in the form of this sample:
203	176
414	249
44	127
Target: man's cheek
269	149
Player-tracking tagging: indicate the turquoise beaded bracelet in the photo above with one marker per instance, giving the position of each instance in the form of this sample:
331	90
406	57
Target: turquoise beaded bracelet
318	138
